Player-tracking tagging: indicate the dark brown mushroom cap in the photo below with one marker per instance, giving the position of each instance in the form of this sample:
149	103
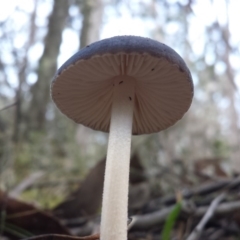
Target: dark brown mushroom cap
83	88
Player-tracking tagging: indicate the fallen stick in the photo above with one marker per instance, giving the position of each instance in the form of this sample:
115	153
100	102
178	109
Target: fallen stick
158	217
222	209
63	237
207	216
201	191
28	181
148	220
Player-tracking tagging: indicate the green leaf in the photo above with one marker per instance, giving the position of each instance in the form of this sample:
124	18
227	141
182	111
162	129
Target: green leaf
170	221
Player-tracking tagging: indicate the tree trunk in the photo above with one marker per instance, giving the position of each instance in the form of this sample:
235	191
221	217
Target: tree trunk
231	91
22	67
48	64
92	12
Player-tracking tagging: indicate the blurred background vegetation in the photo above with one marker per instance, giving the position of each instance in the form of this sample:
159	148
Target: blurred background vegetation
38	143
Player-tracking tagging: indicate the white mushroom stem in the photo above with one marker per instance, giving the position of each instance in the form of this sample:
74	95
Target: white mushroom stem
115	193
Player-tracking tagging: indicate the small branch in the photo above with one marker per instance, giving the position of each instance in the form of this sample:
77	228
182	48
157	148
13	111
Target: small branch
158	217
148	220
223	208
8	106
208	215
201	191
30	180
153	219
52	184
63	237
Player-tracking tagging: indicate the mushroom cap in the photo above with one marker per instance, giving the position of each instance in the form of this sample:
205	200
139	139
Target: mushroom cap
83	86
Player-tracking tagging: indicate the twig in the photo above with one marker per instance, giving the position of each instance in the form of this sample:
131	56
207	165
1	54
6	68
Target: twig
8	106
153	219
63	237
52	184
208	215
222	209
202	190
148	220
25	184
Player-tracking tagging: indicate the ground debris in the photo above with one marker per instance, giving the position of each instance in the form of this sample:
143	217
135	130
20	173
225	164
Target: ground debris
210	210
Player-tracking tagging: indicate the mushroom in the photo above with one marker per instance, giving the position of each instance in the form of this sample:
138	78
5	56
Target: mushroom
123	85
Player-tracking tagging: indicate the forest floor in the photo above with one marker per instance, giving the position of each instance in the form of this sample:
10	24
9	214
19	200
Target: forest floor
207	207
